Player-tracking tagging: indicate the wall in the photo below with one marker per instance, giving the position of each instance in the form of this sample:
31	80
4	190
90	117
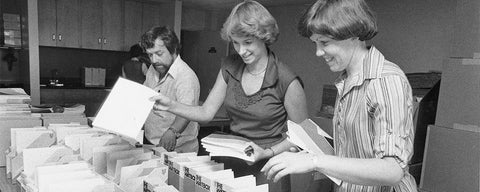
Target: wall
418	41
206	65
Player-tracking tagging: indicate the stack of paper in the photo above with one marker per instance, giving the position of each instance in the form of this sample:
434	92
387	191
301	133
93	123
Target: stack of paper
7	109
125	110
14	96
310	137
227	145
14	102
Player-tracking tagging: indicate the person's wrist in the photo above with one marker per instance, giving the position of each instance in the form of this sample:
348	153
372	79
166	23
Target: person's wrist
315	162
271	153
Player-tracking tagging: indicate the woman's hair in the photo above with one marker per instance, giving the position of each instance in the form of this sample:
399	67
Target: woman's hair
339	20
250	18
165	34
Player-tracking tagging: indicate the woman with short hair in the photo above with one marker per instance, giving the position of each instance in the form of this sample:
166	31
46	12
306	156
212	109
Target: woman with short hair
372	123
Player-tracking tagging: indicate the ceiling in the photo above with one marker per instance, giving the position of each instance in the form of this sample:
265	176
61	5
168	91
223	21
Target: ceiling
229	4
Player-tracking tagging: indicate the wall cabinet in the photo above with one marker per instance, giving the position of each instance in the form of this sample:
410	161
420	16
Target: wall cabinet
102	24
141	16
58	23
133	23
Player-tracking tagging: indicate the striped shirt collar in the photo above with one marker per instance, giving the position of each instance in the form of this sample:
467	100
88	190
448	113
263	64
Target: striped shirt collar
271	73
371	69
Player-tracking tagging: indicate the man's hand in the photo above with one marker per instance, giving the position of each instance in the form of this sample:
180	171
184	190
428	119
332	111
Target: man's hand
168	140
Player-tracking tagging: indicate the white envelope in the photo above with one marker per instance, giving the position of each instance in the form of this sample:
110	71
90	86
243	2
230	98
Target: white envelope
113	156
99	158
87	145
34	157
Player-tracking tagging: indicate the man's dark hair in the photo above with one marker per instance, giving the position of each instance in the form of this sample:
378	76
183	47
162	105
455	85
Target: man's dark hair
165	34
136	50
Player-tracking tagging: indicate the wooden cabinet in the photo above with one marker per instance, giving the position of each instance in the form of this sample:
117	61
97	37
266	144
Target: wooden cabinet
141	16
58	23
133	23
102	24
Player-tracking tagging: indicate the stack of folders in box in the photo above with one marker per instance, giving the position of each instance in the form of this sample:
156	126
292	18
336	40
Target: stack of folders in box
188	172
75	157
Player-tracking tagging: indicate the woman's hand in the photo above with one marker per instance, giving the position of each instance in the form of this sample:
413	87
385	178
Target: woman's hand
287	163
162	102
259	153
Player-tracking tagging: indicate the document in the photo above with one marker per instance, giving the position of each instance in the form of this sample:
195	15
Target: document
33	157
219	144
99	158
307	136
125	109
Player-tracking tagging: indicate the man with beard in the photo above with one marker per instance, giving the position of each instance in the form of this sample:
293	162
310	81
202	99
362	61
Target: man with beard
170	76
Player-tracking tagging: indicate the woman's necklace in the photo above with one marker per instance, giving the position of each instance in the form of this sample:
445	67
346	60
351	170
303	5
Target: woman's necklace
256	74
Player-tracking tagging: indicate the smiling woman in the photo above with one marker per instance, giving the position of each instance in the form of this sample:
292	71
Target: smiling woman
258	91
372	122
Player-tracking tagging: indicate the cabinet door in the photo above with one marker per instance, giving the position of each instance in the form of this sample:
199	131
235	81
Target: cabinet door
47	23
133	23
112	25
68	33
91	17
151	16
